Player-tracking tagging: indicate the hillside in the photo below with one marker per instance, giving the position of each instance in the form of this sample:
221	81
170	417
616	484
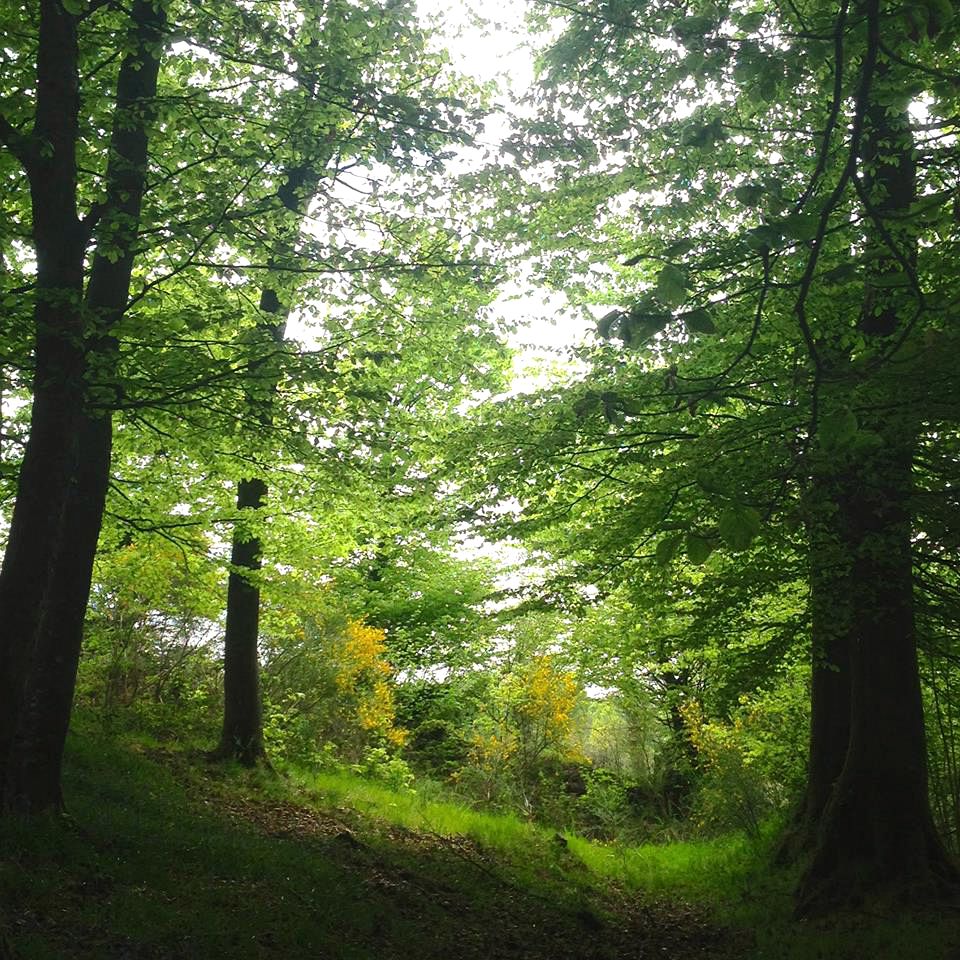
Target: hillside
167	856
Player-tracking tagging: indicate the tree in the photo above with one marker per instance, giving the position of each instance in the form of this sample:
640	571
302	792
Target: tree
47	565
771	257
346	50
227	126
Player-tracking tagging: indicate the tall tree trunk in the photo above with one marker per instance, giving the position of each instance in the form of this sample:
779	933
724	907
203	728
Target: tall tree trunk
876	836
829	570
59	243
241	737
32	780
830	628
45	580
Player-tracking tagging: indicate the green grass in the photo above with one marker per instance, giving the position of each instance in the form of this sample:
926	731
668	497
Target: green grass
732	875
134	867
705	869
167	857
411	809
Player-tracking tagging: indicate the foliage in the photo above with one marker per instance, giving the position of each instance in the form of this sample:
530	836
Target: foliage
329	682
522	735
731	793
942	700
413	584
151	626
739	449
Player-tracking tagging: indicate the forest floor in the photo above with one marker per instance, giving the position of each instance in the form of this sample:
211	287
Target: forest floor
167	856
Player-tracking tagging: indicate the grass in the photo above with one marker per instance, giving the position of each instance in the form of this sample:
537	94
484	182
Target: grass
413	810
166	857
730	874
134	868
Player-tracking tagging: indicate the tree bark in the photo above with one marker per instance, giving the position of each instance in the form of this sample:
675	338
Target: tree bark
242	735
876	835
59	244
830	628
47	568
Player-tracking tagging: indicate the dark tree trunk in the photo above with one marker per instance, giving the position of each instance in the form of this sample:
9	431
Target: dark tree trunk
876	835
242	734
831	623
50	454
34	758
241	737
45	580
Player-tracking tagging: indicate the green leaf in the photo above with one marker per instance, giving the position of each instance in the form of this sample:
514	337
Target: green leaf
738	526
699	321
671	286
800	226
679	247
606	322
694	28
710	484
747	65
763	237
838	274
749	194
667	549
641	324
750	22
698	548
837	429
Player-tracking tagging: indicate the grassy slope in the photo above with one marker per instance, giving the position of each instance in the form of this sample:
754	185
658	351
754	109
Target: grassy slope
165	857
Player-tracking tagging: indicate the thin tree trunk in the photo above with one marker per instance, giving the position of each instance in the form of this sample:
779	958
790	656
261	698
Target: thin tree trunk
241	737
242	734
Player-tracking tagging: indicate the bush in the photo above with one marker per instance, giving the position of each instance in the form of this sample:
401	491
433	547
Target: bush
437	748
327	680
747	771
379	763
149	635
604	809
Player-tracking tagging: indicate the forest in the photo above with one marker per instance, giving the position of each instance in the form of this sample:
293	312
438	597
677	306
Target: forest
447	517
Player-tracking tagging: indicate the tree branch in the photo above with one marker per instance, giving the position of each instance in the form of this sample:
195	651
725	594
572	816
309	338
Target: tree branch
20	145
